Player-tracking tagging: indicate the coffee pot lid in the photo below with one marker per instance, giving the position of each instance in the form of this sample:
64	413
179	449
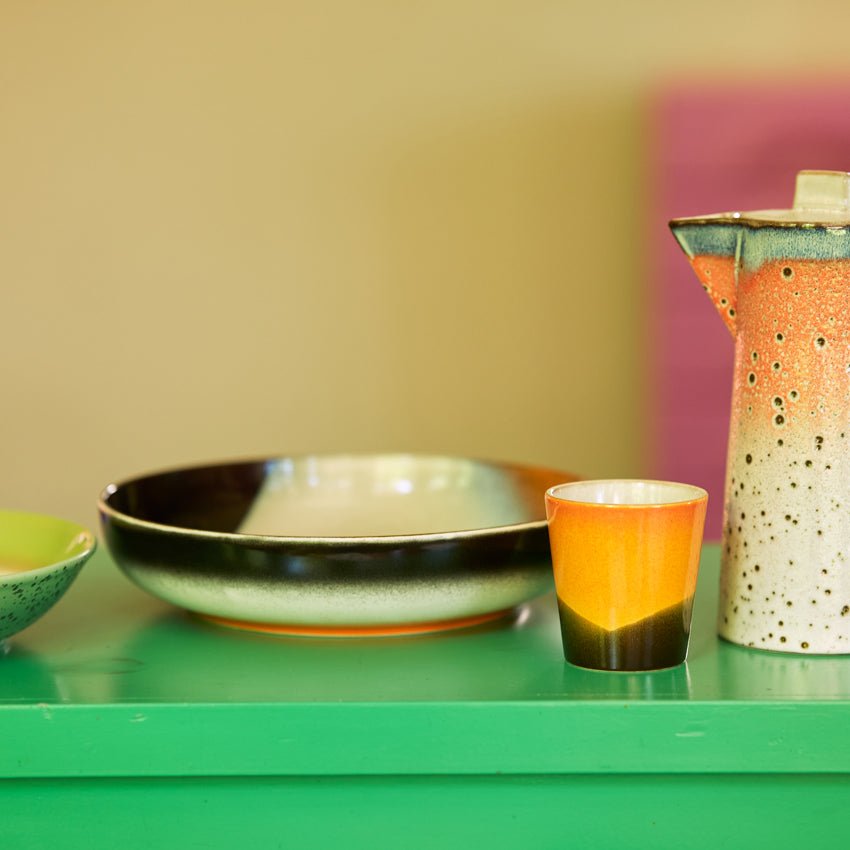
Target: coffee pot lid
821	198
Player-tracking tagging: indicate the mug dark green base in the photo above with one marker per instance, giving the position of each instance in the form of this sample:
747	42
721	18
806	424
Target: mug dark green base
658	642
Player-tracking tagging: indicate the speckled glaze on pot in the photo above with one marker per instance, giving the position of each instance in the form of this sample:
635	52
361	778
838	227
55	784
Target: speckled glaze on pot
781	282
40	557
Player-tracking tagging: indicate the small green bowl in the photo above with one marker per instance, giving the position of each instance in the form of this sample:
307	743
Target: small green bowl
40	556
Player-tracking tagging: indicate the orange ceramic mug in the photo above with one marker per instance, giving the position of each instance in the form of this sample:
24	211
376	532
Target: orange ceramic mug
626	556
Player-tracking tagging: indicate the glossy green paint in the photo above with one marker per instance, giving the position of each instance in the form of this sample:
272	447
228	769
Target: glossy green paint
119	711
423	813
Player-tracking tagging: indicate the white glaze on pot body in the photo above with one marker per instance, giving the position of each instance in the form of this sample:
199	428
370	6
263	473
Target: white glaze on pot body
785	580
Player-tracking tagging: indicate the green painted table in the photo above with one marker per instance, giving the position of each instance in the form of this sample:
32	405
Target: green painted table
127	723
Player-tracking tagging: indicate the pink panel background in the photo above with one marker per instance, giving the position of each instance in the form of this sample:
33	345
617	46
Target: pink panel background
718	150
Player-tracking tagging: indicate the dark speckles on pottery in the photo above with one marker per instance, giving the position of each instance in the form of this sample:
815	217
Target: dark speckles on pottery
788	469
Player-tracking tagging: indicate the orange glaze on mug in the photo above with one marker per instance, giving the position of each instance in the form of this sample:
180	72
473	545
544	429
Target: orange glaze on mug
618	564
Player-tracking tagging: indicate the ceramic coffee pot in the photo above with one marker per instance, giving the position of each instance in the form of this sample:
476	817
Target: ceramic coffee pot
780	280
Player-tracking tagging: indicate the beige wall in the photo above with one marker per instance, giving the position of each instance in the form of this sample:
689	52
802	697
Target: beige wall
231	229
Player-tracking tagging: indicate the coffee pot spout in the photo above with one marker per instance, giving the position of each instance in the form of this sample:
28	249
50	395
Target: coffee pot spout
713	248
714	243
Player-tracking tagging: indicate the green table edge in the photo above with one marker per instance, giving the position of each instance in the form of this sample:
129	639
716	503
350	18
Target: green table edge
426	739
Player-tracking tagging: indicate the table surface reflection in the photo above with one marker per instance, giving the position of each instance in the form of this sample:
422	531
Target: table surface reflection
123	684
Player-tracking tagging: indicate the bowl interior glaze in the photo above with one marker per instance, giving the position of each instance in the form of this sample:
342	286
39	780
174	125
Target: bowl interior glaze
347	496
34	541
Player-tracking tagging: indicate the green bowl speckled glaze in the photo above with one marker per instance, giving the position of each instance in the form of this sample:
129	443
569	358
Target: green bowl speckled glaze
337	545
40	556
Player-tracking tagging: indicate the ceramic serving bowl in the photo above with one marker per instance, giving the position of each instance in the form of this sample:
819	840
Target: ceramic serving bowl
337	545
40	556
